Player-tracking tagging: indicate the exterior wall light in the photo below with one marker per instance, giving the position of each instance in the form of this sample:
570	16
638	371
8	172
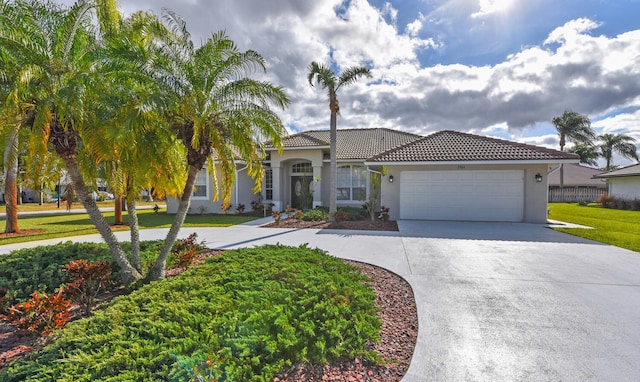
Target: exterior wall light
538	178
390	178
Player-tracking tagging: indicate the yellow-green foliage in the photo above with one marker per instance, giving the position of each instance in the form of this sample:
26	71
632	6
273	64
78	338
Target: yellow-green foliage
249	312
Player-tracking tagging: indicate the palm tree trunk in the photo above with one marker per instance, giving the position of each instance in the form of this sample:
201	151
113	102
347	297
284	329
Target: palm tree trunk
128	273
156	272
333	171
562	183
117	217
135	233
11	182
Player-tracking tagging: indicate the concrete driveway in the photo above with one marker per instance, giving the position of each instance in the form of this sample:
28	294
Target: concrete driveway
496	302
521	302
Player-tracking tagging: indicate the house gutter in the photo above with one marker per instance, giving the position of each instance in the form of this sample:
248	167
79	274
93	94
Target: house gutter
485	162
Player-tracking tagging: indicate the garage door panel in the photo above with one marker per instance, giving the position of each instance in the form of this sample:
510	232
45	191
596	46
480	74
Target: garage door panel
462	195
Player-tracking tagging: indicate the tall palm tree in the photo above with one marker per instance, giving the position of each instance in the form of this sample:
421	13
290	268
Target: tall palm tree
575	127
331	81
212	105
618	143
588	153
56	50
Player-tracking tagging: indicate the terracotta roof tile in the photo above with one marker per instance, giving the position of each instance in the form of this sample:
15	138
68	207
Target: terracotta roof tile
456	146
352	143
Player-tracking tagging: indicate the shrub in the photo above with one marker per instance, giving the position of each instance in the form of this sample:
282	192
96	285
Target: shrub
340	215
4	301
42	314
354	213
85	280
276	215
315	215
606	201
298	215
252	312
40	268
583	203
186	250
240	208
384	213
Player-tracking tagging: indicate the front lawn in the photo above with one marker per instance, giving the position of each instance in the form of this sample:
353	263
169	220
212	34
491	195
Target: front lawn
241	316
616	227
65	225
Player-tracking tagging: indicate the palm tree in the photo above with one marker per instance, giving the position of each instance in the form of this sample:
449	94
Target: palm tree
588	153
572	126
213	106
55	49
619	143
331	81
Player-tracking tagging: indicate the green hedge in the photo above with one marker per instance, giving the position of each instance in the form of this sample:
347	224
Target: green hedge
251	311
29	269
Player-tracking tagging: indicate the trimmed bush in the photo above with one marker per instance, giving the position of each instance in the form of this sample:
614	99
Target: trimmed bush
315	215
250	313
40	268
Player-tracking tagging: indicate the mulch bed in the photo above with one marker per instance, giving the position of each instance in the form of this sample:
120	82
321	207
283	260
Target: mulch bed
398	334
24	232
365	224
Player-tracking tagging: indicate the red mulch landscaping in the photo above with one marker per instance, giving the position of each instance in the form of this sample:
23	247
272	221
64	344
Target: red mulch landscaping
365	224
24	232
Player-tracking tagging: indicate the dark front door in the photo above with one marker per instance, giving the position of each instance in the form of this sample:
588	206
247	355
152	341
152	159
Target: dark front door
301	196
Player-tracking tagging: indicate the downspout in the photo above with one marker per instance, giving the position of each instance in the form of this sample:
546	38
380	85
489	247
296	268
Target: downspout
238	172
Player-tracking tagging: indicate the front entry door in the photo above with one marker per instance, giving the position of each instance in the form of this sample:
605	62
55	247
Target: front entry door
301	192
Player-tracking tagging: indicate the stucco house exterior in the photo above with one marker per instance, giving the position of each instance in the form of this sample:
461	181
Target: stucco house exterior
447	175
624	183
579	184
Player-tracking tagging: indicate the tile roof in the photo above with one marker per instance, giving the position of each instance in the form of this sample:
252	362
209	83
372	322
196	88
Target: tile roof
577	175
633	170
449	145
352	143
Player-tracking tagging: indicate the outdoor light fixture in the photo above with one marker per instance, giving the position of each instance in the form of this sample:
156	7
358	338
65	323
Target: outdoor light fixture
538	178
390	178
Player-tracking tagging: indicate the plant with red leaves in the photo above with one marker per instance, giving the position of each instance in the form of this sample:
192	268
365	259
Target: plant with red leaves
42	314
186	250
85	280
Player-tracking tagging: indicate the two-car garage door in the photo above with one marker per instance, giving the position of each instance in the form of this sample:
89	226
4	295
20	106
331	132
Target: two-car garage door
480	195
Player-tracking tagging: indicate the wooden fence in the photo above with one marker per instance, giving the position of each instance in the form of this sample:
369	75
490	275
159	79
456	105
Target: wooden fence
576	194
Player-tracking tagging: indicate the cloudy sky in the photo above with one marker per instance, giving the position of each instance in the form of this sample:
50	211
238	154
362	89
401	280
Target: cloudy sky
501	68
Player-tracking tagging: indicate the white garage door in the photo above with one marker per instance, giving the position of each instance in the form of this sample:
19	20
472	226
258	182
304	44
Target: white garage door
462	195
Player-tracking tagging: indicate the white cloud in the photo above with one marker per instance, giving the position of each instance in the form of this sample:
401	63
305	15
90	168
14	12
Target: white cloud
489	7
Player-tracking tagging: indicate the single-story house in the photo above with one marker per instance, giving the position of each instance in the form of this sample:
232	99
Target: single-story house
624	183
579	184
447	175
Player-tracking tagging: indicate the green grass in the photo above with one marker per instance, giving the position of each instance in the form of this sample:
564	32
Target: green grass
249	312
53	206
616	227
66	225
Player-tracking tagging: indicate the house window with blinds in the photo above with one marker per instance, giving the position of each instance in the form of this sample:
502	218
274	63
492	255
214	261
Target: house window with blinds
352	183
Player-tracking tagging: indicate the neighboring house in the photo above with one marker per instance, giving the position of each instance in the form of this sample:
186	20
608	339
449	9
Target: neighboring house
623	183
579	184
447	175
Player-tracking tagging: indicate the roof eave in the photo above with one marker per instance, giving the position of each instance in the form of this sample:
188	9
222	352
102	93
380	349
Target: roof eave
473	162
298	148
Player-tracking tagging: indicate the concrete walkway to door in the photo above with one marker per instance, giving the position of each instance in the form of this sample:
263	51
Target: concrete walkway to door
496	301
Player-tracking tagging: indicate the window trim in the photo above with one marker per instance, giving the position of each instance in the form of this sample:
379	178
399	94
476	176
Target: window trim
206	185
351	187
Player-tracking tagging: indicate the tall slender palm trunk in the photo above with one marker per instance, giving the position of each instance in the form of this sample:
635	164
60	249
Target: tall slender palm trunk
135	233
333	137
11	182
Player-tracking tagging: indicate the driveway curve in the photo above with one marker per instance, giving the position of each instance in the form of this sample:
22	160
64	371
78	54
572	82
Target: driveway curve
496	301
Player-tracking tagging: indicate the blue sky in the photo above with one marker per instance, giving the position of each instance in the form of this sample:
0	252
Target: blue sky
501	68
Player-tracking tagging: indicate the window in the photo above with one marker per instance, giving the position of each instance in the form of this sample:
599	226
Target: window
302	168
200	185
268	184
352	183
